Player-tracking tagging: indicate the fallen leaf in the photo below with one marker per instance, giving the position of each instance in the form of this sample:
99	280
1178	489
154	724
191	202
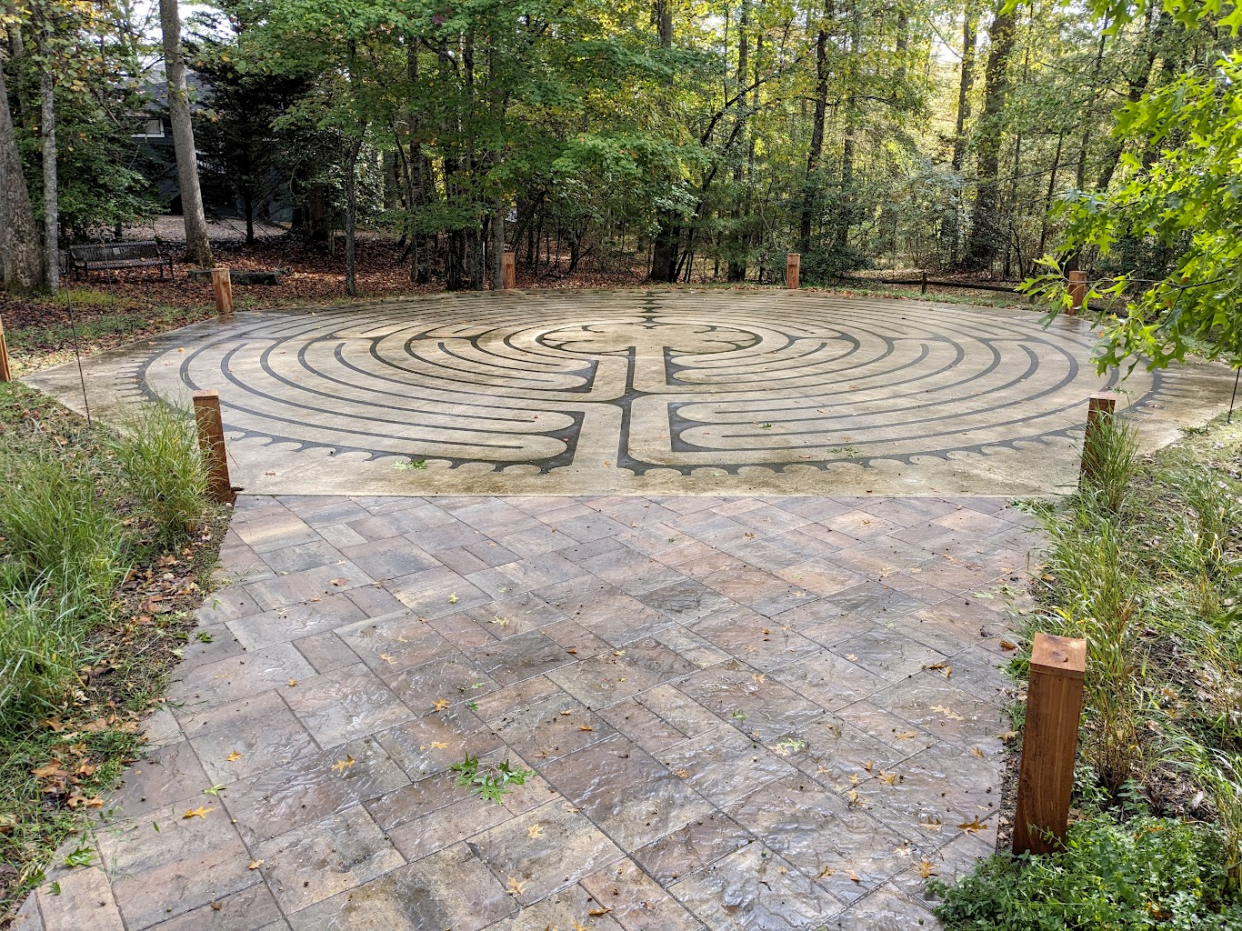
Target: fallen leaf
199	812
515	887
293	683
826	871
971	826
232	757
439	745
46	770
388	659
851	657
948	712
907	735
1008	645
585	727
535	830
887	778
867	766
255	864
1007	736
975	751
500	621
854	878
453	599
339	582
599	912
440	704
926	869
346	764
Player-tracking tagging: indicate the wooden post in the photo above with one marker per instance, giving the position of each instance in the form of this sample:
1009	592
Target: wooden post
793	264
508	270
211	442
1078	291
1101	408
1049	743
222	284
922	282
5	374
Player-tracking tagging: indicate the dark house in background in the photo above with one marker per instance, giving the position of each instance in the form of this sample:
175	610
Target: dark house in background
233	185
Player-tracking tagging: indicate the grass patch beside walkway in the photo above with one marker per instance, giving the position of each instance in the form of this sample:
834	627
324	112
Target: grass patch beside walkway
104	543
1146	563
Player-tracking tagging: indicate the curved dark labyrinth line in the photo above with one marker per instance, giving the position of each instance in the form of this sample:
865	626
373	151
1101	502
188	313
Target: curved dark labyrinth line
758	380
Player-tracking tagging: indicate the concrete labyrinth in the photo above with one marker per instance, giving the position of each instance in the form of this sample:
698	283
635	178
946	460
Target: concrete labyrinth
588	392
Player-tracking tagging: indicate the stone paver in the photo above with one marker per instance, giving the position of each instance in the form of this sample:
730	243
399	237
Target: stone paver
632	392
742	713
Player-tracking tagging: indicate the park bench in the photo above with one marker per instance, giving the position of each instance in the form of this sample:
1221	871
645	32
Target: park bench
118	255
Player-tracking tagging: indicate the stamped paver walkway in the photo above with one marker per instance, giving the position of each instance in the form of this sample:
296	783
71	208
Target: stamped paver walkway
743	713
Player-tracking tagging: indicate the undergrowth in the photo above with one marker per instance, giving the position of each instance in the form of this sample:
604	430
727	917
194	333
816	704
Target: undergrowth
1145	562
93	526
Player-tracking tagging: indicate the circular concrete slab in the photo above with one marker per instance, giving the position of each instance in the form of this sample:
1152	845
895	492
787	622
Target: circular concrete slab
642	392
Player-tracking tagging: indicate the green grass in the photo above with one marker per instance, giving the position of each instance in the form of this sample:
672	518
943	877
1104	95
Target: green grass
81	512
1145	561
105	328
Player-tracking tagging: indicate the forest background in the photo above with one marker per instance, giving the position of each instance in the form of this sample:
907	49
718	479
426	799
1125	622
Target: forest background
683	138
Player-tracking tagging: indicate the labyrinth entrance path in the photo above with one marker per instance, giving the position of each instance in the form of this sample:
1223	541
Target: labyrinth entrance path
733	574
644	392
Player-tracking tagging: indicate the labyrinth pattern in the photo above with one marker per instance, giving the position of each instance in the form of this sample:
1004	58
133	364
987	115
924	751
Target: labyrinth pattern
644	385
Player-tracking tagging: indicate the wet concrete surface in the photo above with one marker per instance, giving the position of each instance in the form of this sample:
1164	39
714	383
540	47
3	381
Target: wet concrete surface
739	713
646	393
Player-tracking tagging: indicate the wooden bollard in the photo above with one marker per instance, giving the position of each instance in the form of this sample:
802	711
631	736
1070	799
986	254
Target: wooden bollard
1049	743
222	284
5	374
211	442
1077	290
1100	409
508	270
793	264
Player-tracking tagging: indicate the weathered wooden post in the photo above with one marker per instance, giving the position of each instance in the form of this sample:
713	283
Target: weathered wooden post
793	264
508	270
5	374
211	442
222	284
1049	743
922	282
1100	410
1078	290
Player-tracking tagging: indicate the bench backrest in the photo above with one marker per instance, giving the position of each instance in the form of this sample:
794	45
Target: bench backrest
116	250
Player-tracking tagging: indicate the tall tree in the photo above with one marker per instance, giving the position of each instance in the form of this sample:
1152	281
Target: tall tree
19	236
985	232
47	109
198	248
966	83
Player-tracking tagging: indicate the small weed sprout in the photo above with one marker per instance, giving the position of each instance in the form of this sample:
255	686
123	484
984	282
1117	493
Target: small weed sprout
491	784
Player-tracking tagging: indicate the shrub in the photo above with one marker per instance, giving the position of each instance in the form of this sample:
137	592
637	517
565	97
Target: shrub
1144	873
163	473
1110	460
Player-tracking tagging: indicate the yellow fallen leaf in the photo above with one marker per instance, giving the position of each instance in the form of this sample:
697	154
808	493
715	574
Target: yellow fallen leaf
926	869
599	912
975	751
339	582
199	812
453	599
854	877
681	773
971	826
440	704
907	735
948	712
386	658
826	871
439	745
867	766
232	757
346	764
1007	736
500	621
293	683
535	830
585	727
255	864
515	887
888	778
1008	645
851	657
759	677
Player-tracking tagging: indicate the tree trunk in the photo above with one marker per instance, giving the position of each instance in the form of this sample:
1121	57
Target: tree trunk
668	234
51	204
985	230
19	236
351	217
198	249
970	40
816	151
248	206
737	256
